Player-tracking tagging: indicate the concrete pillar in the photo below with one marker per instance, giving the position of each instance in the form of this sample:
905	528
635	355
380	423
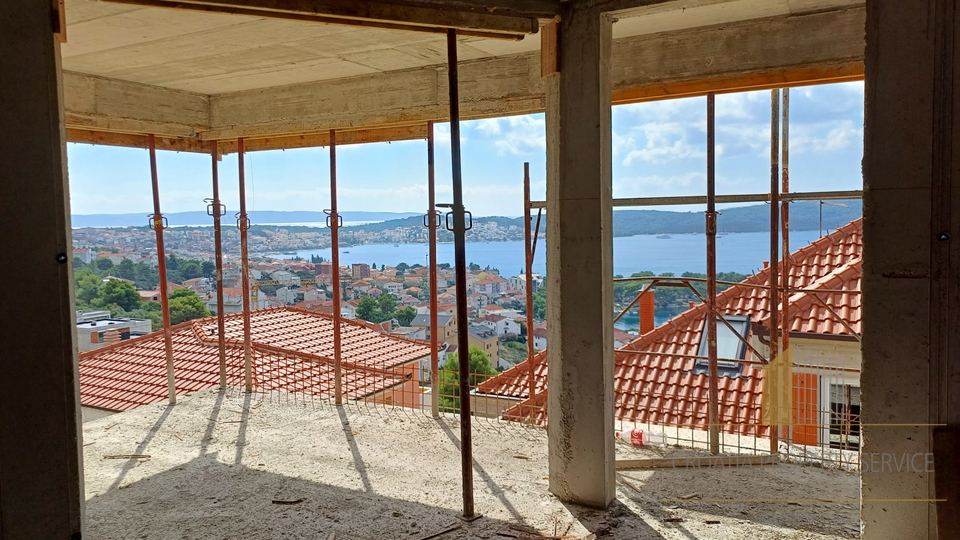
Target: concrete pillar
911	292
40	471
579	262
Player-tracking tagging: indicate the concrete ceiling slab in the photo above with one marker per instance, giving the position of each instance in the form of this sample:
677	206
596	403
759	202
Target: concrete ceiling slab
213	53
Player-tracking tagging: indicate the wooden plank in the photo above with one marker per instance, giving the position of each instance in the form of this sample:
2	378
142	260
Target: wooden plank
60	20
550	50
310	140
411	15
362	136
135	140
697	462
784	78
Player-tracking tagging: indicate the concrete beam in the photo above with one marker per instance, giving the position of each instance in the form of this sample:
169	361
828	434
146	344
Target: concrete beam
487	17
758	54
41	483
911	297
101	104
580	263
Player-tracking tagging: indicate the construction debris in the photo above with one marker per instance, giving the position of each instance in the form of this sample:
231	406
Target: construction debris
281	501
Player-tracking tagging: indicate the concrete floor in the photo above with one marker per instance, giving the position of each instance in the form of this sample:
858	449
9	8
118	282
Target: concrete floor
221	465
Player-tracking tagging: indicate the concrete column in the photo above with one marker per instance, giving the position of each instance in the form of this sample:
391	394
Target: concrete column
579	262
911	292
40	471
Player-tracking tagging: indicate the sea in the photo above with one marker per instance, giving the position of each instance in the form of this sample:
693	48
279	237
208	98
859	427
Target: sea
736	252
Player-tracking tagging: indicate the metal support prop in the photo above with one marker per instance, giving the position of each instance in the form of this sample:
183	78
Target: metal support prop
785	230
159	223
243	223
460	260
334	223
528	270
713	407
215	209
431	217
774	290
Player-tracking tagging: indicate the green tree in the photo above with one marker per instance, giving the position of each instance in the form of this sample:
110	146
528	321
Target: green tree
125	270
155	317
540	304
388	304
86	286
173	262
186	306
208	269
181	293
402	268
120	293
405	316
368	310
449	387
190	269
103	264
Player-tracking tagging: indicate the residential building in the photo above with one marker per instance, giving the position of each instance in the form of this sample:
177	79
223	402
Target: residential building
540	338
84	254
500	324
447	325
360	270
486	339
149	296
97	329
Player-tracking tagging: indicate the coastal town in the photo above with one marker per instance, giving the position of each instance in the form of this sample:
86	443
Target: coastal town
198	242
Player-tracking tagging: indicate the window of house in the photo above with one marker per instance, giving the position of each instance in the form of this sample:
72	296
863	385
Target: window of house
844	416
729	346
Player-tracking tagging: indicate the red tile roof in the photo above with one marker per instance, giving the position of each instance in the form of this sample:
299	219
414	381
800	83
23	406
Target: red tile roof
659	389
292	351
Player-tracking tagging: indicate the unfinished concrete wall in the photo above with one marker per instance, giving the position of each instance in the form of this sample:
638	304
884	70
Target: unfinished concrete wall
40	473
911	254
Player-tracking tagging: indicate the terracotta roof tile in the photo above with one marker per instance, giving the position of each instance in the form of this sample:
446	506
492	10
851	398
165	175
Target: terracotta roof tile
656	388
292	351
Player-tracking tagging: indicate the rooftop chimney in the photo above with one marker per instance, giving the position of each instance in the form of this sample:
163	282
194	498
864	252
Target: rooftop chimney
111	336
691	304
647	312
766	264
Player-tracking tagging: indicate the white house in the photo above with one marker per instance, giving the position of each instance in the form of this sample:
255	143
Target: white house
500	324
287	296
540	339
314	293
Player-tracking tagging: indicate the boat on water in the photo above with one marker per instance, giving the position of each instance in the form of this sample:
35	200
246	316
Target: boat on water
346	252
396	245
664	237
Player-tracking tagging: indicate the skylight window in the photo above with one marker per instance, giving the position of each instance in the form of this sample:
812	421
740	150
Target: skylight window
729	346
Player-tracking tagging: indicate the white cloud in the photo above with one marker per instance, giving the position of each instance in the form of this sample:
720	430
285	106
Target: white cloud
665	141
515	135
842	135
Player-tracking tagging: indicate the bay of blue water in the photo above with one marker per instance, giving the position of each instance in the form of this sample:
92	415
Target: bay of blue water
736	252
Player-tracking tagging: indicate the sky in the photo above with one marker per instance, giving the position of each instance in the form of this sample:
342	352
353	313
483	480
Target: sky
659	149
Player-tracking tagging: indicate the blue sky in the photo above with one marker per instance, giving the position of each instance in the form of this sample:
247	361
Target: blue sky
659	149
